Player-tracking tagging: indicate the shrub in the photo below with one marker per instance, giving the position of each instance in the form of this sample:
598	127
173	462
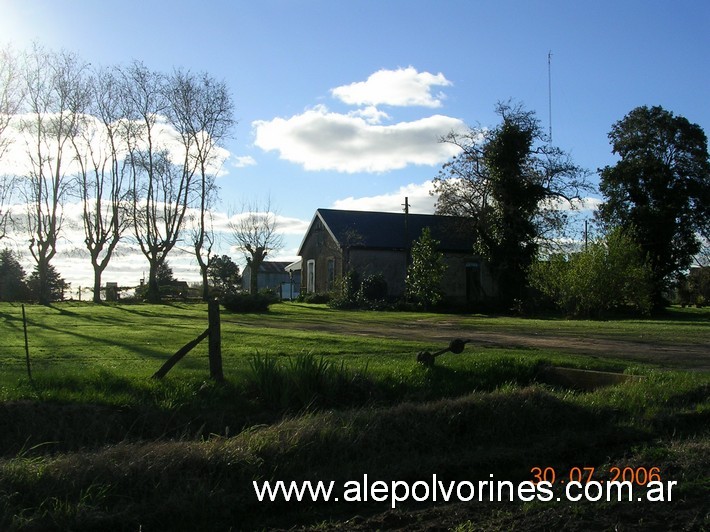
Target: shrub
315	298
610	276
243	302
694	287
370	294
373	288
346	293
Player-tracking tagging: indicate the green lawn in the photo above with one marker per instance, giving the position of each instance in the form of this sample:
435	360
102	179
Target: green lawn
134	339
312	393
684	325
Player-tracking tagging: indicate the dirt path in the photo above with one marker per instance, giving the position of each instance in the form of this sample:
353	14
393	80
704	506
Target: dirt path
673	356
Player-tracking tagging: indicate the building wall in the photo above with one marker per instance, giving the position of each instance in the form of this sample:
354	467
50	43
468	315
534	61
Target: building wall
278	282
466	280
320	248
392	264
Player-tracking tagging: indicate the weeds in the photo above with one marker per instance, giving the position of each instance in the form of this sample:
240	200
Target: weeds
304	381
207	485
100	446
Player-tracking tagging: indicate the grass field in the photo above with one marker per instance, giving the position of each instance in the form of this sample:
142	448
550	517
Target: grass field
93	443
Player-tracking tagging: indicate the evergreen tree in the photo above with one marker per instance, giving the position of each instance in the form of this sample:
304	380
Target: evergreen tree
12	278
224	273
53	287
164	274
426	271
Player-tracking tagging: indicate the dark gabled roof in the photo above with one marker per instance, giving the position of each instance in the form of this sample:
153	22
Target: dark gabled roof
273	267
386	230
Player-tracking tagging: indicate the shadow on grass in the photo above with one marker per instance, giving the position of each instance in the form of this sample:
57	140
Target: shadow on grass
82	411
92	340
209	486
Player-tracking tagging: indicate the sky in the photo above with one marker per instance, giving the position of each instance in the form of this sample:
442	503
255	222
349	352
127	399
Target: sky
341	103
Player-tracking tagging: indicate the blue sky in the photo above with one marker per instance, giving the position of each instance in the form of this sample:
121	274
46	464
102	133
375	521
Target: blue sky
389	77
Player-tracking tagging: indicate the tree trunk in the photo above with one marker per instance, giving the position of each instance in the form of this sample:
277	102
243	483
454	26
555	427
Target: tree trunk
43	294
97	284
254	266
203	272
205	285
153	293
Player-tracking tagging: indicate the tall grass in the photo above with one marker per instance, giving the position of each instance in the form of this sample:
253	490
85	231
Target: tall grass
98	445
305	381
206	485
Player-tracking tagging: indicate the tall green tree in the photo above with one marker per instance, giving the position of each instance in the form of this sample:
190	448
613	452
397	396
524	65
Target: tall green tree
52	287
224	273
659	190
512	184
164	275
426	271
12	277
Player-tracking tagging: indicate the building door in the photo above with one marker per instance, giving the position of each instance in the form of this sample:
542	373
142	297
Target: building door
473	281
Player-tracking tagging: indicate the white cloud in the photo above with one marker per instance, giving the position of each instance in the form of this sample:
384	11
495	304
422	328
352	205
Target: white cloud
588	204
359	141
401	87
371	114
322	140
291	226
420	200
243	161
93	139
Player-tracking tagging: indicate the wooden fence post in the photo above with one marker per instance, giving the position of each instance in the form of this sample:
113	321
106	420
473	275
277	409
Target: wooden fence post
184	350
215	341
214	333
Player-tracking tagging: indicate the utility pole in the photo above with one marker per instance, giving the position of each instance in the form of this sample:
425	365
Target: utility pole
406	230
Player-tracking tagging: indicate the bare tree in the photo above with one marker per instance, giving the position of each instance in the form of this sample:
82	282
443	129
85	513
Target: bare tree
254	233
11	96
56	99
6	189
102	183
161	185
200	111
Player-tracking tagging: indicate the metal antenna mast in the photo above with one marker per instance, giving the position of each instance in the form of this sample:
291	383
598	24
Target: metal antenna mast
549	89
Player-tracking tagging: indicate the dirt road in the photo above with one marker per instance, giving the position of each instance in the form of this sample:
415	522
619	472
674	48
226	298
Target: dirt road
694	356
